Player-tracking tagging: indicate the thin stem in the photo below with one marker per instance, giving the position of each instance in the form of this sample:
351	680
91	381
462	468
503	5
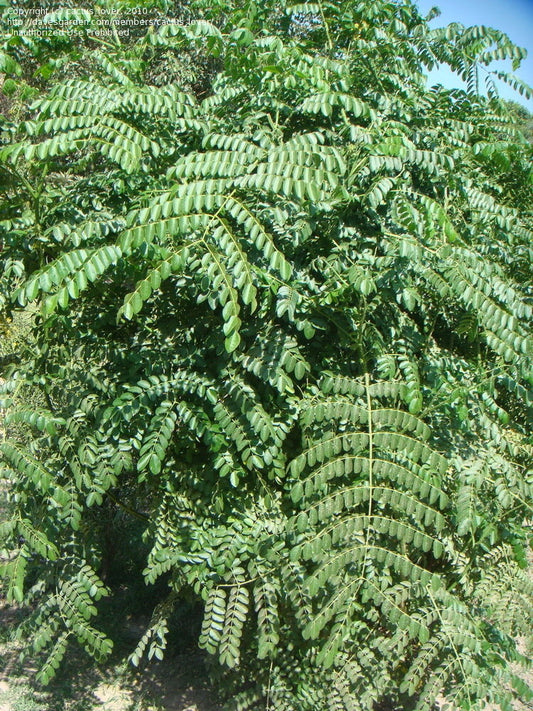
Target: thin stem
126	508
370	444
326	26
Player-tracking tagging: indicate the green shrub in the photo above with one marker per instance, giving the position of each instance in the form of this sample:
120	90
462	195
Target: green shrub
286	328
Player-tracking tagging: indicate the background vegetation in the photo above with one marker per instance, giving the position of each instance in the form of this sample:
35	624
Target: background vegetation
279	372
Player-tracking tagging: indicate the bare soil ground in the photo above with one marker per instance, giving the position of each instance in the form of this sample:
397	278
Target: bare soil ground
178	683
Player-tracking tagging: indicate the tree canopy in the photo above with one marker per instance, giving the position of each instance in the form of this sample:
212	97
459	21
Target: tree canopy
283	308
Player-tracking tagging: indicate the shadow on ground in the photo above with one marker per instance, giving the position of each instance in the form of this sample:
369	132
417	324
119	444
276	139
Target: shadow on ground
178	683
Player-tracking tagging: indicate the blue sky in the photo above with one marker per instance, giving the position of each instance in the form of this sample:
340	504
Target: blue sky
514	17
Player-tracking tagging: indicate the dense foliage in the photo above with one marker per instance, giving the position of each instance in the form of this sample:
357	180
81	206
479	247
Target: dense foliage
282	322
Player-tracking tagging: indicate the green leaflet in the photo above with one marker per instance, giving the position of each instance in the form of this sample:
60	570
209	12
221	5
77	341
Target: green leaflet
69	275
153	450
133	302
